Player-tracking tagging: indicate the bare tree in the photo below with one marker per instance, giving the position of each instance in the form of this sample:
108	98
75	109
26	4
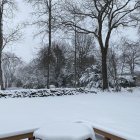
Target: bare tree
57	62
85	49
7	8
136	17
102	17
46	21
130	56
10	65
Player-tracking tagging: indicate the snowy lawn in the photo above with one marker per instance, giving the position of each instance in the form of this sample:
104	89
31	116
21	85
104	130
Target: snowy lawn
118	113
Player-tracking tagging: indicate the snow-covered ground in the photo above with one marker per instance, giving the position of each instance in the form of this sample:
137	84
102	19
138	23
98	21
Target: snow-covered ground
118	113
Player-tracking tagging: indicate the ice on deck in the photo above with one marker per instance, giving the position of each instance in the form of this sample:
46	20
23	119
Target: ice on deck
65	131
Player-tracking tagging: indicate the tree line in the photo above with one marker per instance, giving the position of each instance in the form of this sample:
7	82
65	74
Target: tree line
62	65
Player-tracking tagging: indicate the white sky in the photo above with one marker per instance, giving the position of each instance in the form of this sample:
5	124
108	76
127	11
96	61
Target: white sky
27	48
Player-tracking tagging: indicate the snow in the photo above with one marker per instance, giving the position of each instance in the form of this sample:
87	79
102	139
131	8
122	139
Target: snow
65	131
117	113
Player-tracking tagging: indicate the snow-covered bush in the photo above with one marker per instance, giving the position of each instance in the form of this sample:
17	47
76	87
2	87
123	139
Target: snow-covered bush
92	77
30	93
31	76
127	81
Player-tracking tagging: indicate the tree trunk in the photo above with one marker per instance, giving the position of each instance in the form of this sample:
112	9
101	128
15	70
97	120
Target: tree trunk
75	59
1	46
104	69
50	37
48	70
1	74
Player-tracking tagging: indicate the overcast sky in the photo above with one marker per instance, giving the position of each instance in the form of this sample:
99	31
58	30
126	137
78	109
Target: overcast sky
28	47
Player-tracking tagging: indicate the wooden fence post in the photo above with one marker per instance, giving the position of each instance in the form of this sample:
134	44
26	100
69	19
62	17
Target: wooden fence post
107	138
33	138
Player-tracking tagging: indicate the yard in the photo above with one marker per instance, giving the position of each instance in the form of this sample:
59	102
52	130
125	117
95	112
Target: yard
117	113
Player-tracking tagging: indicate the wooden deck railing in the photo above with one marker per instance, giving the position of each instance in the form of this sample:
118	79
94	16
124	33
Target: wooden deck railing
106	135
19	137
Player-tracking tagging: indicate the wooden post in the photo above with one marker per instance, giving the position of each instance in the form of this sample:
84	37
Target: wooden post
107	138
33	138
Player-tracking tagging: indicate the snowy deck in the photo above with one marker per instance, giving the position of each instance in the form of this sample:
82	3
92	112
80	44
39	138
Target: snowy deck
118	114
